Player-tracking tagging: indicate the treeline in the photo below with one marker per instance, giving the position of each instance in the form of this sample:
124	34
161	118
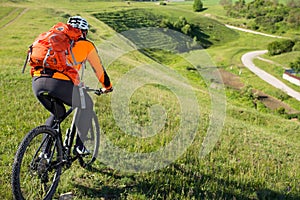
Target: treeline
187	28
266	15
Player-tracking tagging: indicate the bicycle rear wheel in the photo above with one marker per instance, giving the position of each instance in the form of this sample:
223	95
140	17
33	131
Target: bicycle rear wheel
91	142
36	169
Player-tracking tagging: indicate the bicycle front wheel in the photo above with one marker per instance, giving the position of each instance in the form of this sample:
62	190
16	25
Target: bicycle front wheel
91	142
37	165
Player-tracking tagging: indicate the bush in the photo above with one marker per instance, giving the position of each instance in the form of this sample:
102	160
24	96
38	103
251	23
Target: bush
166	23
281	111
293	116
198	5
296	65
186	29
279	47
296	46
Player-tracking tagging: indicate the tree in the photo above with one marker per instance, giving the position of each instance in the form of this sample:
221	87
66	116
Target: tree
198	5
296	65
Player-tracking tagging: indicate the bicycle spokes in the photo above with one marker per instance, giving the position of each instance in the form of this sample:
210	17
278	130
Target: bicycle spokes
35	171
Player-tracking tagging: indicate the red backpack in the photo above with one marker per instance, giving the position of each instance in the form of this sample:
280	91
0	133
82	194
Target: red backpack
51	49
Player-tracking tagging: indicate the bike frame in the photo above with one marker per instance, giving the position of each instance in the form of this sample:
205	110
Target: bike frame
45	157
70	135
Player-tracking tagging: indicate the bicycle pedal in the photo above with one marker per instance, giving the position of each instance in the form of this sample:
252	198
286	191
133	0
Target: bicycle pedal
81	152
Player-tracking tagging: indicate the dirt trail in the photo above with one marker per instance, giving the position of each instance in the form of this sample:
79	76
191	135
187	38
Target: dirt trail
14	19
251	31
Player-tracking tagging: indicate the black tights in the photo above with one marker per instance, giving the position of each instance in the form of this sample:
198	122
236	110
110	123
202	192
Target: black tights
69	95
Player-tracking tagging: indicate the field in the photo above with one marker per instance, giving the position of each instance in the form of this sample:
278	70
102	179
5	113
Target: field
182	133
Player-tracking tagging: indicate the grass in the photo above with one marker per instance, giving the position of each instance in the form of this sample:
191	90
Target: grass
256	156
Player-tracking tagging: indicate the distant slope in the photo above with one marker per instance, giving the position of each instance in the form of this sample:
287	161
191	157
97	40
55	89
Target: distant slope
209	31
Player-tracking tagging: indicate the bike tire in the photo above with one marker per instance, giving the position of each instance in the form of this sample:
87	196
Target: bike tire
92	143
33	176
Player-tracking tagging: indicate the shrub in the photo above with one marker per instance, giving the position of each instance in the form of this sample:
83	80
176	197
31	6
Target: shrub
198	5
180	23
165	23
281	111
186	29
296	65
293	116
279	47
296	46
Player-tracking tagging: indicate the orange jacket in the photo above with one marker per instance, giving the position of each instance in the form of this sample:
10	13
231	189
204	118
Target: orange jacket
83	51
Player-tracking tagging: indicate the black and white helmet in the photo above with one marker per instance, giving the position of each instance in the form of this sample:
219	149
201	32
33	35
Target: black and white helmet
78	22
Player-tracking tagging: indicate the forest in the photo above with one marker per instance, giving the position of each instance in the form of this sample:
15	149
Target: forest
266	15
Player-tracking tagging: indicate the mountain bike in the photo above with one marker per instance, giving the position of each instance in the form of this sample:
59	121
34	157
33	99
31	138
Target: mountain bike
42	155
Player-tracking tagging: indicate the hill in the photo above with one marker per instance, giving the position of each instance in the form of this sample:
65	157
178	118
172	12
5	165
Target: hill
255	154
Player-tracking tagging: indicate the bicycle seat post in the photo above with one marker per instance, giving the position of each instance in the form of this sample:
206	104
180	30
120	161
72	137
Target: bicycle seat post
56	122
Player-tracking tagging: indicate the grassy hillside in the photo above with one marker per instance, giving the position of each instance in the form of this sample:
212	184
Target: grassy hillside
257	155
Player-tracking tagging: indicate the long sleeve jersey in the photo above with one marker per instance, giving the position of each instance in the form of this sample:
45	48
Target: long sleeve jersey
83	51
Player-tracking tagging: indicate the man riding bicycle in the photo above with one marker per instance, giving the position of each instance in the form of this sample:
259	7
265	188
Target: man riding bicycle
59	85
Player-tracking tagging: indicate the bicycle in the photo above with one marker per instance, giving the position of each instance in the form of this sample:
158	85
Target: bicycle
42	154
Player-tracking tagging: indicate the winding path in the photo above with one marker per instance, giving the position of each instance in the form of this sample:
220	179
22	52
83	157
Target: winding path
247	60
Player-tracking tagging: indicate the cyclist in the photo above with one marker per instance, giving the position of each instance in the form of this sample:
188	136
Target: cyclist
59	85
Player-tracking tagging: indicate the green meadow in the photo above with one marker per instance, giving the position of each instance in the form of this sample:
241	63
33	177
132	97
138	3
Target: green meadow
255	154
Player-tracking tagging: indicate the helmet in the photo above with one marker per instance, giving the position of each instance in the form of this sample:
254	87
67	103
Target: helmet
78	22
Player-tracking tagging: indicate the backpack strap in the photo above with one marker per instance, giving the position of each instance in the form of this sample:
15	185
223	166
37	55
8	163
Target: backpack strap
71	52
75	62
27	59
45	59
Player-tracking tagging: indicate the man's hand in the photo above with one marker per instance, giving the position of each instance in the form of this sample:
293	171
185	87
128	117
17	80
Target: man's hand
104	90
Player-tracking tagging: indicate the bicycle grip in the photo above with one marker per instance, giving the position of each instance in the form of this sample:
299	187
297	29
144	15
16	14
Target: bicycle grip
98	92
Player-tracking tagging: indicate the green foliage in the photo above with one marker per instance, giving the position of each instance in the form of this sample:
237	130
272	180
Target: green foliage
162	3
165	23
198	5
295	65
282	96
281	111
293	18
279	47
186	29
180	23
293	3
297	46
293	116
265	15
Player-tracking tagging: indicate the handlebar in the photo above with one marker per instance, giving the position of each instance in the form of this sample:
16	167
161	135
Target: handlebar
96	91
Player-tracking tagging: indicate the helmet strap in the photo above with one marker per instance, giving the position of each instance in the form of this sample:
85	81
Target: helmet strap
84	33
